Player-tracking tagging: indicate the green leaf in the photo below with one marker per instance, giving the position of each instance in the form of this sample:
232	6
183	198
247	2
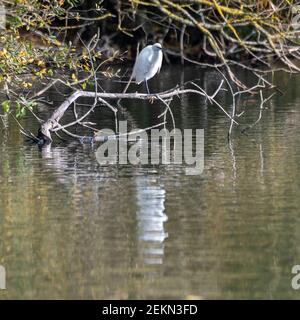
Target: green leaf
18	109
5	106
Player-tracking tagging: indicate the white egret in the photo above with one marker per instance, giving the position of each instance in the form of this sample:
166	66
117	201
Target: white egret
147	64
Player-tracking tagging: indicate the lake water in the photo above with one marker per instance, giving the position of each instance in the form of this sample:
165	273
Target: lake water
70	228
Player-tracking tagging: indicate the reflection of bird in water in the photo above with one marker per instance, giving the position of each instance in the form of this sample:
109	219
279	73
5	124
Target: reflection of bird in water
151	219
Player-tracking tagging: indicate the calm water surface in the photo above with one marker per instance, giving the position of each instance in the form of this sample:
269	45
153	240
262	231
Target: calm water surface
70	228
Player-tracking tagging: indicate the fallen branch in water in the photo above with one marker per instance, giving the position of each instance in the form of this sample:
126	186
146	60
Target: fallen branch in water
261	84
261	107
52	124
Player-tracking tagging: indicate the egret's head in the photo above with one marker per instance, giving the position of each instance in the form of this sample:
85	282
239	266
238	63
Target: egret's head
157	46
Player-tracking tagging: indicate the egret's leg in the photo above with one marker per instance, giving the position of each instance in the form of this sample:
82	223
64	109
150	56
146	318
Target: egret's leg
147	87
151	99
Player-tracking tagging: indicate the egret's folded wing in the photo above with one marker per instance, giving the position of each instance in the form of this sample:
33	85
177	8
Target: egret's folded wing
143	65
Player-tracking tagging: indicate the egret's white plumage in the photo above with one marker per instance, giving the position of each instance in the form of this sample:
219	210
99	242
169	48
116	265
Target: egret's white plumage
148	63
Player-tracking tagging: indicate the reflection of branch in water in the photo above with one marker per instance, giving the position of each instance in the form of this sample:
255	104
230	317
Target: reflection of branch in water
59	160
261	153
151	219
233	160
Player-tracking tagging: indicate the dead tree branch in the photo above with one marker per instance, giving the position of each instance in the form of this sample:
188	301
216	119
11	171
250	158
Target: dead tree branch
53	123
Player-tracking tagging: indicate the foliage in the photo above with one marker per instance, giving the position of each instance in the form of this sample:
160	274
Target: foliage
32	47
